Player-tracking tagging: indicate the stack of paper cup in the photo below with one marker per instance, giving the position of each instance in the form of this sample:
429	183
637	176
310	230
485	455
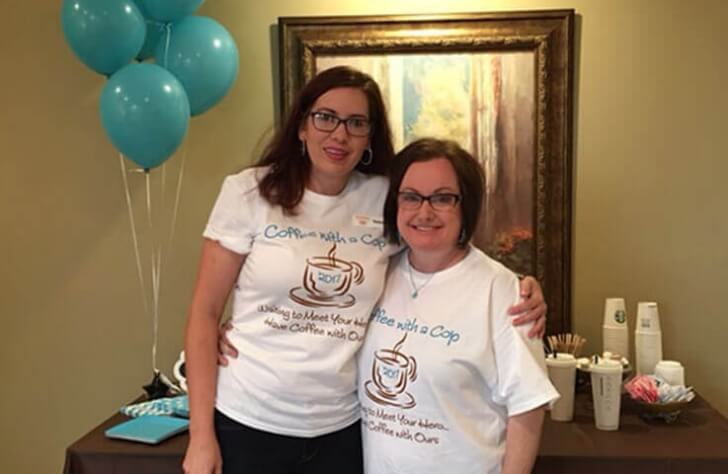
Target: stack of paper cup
647	338
562	372
615	335
606	380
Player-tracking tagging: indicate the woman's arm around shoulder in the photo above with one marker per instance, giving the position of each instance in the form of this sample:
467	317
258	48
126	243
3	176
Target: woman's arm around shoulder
531	308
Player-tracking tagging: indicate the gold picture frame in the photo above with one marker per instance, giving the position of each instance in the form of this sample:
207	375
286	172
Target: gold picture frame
499	83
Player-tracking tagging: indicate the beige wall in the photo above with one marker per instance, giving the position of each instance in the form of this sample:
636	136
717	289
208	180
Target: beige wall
649	201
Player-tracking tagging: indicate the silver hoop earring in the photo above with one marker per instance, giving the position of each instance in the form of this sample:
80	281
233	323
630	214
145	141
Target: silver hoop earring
367	157
303	148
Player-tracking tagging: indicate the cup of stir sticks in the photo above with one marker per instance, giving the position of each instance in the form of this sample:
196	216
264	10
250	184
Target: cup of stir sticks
567	343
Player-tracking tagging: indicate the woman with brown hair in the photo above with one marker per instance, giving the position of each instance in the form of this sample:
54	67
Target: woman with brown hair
465	388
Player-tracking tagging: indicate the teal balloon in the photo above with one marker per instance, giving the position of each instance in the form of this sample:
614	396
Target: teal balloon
155	33
104	34
145	112
204	57
170	10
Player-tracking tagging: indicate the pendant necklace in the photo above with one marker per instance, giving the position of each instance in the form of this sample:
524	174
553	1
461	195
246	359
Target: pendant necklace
416	289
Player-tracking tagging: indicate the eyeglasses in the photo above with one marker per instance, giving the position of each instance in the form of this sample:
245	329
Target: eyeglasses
412	201
355	126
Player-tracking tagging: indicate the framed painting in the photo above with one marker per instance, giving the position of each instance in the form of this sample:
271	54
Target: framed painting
501	85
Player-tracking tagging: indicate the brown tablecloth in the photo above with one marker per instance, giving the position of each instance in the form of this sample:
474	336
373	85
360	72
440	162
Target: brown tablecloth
697	443
94	453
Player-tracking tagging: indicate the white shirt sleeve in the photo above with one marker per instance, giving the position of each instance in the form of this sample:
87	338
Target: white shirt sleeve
233	218
523	382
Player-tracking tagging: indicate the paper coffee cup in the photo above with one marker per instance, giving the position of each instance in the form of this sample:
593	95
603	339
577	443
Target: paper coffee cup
671	371
614	313
606	380
648	351
615	340
562	372
648	319
615	335
647	338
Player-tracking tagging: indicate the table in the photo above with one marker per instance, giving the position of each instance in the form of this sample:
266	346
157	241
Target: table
94	453
697	443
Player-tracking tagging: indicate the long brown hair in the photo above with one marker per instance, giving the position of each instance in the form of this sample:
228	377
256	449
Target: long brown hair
285	181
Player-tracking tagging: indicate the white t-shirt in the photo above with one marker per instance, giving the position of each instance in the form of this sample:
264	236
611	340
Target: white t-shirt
301	303
440	373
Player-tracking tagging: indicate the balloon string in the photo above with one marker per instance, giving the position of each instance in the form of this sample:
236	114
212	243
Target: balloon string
178	191
162	213
135	240
155	262
158	244
156	272
168	27
162	185
149	200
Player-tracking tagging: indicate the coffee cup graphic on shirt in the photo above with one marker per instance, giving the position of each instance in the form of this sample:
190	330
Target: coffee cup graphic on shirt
327	281
392	371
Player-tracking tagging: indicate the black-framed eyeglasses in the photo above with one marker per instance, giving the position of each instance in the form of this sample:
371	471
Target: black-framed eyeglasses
327	122
411	200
